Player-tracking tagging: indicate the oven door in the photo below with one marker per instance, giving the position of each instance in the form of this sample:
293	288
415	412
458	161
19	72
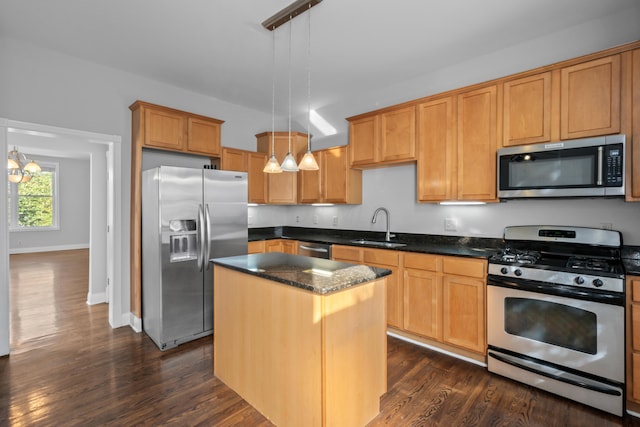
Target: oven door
578	334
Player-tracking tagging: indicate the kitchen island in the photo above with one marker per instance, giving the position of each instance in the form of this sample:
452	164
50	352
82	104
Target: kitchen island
303	340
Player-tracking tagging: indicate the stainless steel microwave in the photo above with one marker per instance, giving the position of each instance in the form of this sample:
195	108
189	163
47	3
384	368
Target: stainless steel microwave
589	167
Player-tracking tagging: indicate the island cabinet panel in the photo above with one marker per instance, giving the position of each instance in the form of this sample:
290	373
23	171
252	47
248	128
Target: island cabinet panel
298	357
437	156
477	144
527	110
590	98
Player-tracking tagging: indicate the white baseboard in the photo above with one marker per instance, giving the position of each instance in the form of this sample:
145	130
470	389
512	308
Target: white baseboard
48	248
96	298
135	322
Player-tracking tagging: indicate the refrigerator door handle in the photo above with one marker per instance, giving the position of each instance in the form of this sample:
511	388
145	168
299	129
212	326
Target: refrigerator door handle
207	242
201	237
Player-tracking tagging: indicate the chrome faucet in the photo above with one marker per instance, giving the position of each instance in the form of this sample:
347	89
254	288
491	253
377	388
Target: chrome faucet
373	221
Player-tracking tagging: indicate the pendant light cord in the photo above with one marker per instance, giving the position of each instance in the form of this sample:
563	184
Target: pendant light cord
290	83
309	83
273	98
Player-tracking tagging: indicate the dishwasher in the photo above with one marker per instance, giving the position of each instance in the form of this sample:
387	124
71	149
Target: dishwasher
315	250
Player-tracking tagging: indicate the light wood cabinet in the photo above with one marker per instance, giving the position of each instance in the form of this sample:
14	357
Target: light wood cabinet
161	128
282	188
378	258
527	110
334	182
281	245
633	129
633	339
477	144
437	154
256	247
457	144
388	137
444	299
252	163
590	98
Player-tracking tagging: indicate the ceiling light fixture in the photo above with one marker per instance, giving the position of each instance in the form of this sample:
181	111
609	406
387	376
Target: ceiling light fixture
308	162
272	165
19	168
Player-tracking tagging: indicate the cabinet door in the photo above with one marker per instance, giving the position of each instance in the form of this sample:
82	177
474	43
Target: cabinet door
234	160
336	175
203	136
477	145
463	316
391	261
290	247
422	303
633	146
347	254
256	247
309	182
437	150
590	98
164	129
398	135
527	110
274	245
256	178
363	140
283	187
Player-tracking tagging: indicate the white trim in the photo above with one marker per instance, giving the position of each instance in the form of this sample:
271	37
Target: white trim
97	298
4	252
439	350
135	322
633	414
49	248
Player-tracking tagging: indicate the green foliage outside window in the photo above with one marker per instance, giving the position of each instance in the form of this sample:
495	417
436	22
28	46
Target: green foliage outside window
35	201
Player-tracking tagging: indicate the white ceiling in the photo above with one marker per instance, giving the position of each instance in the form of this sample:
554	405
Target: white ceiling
220	49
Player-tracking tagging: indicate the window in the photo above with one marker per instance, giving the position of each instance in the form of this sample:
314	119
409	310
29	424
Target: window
33	205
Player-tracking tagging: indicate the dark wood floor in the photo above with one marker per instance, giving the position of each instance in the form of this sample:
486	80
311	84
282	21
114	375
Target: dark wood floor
69	368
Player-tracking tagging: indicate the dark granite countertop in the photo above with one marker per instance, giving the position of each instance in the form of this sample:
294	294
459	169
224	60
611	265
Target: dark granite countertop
321	276
475	247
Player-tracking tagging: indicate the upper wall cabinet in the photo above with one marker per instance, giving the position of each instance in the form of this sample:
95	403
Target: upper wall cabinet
633	128
282	188
590	98
384	138
527	110
334	182
169	129
251	162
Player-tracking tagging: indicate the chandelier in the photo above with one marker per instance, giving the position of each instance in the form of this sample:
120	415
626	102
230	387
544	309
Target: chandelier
19	168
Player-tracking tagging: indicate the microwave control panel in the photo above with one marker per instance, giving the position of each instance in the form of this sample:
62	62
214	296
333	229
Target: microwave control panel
614	169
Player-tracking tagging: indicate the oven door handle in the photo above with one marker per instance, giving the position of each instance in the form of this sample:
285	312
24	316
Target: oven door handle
584	383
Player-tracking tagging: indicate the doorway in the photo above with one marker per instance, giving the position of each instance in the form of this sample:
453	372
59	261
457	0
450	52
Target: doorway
105	234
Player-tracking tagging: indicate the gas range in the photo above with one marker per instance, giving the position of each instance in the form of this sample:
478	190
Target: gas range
581	257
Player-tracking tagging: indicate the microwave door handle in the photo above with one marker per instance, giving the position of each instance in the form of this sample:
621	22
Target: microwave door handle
600	157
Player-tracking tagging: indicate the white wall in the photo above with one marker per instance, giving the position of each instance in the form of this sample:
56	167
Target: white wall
395	189
74	192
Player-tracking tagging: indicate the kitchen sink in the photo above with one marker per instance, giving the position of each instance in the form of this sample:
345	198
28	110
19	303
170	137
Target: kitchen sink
382	244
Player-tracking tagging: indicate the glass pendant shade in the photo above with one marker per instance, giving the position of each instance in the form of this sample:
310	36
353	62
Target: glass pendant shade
308	162
12	164
32	167
272	165
15	175
289	164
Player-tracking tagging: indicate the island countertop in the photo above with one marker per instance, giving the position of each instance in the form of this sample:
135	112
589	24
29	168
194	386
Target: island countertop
317	275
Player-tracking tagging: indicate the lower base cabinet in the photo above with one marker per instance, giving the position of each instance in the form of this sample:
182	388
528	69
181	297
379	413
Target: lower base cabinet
633	343
436	297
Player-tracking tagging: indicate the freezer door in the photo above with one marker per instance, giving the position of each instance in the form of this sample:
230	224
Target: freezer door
180	196
225	201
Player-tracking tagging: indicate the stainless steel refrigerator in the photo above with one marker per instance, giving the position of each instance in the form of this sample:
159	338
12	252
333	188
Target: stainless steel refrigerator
189	216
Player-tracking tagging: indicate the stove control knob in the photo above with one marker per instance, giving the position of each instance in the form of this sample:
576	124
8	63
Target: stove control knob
597	283
579	280
518	272
504	270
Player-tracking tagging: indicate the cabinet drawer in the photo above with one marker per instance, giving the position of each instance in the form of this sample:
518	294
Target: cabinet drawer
464	267
381	256
421	261
256	247
346	253
635	288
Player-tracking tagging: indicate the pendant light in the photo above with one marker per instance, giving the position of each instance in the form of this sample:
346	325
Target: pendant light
17	172
308	162
272	165
289	163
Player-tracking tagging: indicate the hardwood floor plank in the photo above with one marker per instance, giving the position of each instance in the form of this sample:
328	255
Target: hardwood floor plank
68	367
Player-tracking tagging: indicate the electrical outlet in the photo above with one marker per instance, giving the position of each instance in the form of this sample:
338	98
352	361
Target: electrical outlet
606	226
335	220
250	220
315	219
297	218
449	224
